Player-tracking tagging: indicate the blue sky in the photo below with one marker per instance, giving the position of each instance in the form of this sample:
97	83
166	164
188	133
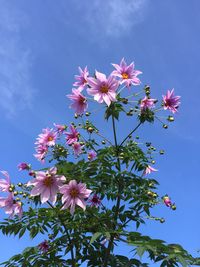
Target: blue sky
43	43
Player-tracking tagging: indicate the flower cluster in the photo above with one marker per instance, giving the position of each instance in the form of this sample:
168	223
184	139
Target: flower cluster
107	89
9	203
48	184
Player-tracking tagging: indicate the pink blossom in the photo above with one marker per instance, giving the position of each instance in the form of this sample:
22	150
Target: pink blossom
127	73
149	170
95	200
77	148
44	246
74	194
41	150
171	101
167	201
92	155
147	103
47	137
79	101
46	184
82	78
5	183
72	136
23	166
10	206
103	89
60	128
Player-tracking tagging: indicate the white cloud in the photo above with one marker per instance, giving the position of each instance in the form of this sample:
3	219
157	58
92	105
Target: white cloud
15	62
112	18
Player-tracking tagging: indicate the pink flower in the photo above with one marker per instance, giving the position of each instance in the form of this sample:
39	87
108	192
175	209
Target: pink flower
149	170
79	101
82	78
103	89
95	200
41	152
60	128
167	201
171	101
147	103
44	246
23	166
5	183
92	155
46	184
72	136
10	206
74	194
77	148
127	73
47	137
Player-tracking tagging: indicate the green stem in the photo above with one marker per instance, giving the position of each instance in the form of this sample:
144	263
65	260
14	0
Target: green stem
120	188
67	233
130	134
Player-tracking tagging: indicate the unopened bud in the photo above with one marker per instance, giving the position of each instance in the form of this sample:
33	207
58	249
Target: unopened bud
161	152
90	129
170	118
165	126
173	207
162	220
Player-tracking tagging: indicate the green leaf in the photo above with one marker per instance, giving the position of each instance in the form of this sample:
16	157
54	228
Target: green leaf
94	237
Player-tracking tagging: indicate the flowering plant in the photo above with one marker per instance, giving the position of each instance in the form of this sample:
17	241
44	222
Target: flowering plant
99	191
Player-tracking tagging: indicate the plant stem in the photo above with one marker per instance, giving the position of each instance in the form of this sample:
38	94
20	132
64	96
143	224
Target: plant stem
68	236
130	134
120	188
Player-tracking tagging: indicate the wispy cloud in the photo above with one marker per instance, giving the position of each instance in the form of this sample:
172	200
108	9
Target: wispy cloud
15	88
112	18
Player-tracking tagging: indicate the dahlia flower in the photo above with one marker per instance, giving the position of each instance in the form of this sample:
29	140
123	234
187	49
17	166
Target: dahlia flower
74	194
149	170
11	207
72	136
126	73
5	183
46	184
79	101
103	89
82	78
171	101
147	103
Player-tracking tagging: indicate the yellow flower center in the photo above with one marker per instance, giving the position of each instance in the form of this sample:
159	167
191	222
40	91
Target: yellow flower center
74	193
48	180
125	75
104	89
50	138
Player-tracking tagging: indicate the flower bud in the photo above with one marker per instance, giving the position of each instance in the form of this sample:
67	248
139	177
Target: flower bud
90	129
162	220
103	142
170	118
165	126
87	114
173	207
161	152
